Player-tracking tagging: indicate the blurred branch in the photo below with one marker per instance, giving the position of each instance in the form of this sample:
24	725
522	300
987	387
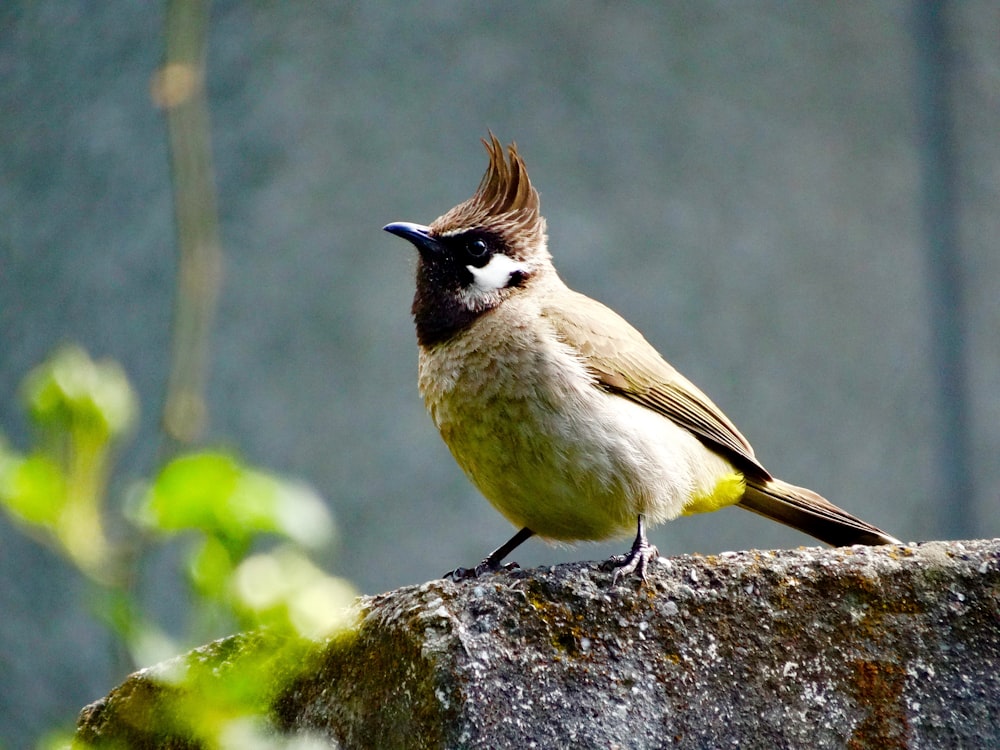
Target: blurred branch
179	88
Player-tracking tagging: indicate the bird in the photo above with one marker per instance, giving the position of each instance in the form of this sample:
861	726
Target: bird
560	412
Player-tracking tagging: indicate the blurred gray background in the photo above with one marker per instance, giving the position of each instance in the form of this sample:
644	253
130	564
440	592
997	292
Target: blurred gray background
746	182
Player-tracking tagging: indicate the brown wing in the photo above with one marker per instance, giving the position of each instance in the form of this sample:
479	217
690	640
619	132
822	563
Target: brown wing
625	364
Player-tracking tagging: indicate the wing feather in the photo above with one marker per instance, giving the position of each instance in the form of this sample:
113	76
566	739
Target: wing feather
625	364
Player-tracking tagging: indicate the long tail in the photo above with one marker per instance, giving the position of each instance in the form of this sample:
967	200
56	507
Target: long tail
810	513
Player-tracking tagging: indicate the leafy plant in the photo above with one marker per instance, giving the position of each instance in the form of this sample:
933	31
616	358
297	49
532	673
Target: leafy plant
248	532
227	511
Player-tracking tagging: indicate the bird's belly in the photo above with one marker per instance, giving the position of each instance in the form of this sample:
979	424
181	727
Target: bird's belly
571	461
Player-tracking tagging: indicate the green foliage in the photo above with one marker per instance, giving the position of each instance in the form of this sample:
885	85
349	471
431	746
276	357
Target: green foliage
72	395
79	409
33	488
214	493
226	512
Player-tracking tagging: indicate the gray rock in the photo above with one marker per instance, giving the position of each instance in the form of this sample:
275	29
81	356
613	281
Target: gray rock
859	647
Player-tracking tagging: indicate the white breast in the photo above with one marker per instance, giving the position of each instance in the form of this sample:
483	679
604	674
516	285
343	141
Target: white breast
545	445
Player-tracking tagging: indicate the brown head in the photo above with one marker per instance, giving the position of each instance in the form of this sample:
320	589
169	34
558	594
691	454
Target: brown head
479	253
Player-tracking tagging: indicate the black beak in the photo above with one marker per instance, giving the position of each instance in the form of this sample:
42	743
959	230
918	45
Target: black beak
418	234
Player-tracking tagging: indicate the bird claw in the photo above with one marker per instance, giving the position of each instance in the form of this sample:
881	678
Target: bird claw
635	561
486	566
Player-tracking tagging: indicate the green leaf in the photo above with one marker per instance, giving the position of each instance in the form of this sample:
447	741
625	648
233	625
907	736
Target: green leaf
285	591
193	492
71	391
214	493
210	567
32	488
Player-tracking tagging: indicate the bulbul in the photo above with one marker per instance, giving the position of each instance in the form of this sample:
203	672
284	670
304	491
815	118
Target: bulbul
559	411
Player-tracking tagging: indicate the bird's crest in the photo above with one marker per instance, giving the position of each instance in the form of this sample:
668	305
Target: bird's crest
504	201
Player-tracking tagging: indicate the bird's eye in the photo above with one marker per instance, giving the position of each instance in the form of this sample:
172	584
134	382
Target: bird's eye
477	248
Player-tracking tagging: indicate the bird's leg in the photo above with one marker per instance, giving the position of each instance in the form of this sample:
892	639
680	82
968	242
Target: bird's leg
637	559
492	562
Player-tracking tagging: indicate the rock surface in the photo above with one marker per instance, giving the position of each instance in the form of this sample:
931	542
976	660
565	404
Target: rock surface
892	647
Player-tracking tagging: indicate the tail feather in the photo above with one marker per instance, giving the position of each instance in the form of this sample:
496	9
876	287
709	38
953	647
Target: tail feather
810	513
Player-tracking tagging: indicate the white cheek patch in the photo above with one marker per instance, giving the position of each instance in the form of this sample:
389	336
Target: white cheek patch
496	274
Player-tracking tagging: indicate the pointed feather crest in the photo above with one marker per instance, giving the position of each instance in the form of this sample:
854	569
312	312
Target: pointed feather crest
505	202
505	187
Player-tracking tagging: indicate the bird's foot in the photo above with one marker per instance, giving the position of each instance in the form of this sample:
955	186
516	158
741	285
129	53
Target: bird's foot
636	560
486	566
494	561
